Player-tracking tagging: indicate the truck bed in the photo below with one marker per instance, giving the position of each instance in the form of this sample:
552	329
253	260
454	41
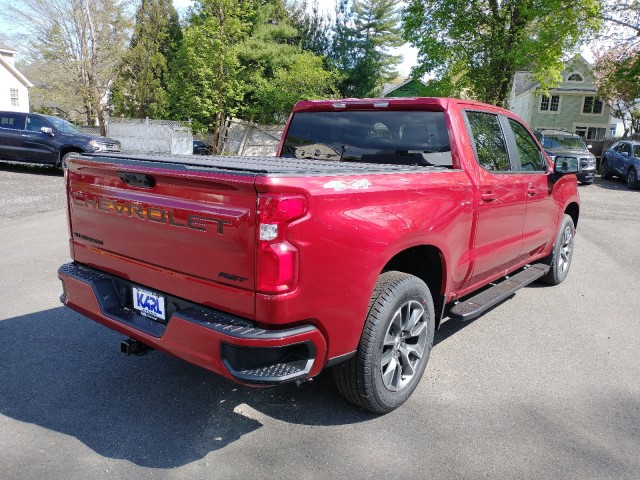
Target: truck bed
258	165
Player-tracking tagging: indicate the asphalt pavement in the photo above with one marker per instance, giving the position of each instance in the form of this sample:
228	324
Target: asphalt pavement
547	385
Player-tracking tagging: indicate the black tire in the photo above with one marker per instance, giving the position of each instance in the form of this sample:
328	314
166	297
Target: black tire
604	170
586	183
396	297
632	178
562	253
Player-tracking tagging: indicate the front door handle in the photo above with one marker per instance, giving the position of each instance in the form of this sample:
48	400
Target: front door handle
531	190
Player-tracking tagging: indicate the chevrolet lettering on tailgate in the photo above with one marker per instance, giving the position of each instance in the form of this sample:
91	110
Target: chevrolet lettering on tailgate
148	213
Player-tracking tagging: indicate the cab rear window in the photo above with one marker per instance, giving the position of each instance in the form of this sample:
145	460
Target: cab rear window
393	137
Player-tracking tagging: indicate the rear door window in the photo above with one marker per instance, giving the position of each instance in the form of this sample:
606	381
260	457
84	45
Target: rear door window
489	141
13	121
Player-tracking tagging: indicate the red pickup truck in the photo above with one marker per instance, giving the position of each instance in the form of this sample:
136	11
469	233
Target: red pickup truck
379	219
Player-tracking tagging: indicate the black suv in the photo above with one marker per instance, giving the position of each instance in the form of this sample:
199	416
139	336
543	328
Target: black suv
568	144
31	137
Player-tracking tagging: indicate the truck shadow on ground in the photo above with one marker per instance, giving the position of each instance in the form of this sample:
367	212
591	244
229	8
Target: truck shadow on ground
65	373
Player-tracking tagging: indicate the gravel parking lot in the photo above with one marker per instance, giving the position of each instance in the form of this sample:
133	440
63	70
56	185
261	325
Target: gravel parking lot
547	385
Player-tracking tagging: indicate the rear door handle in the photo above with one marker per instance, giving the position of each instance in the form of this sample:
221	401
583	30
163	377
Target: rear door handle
488	196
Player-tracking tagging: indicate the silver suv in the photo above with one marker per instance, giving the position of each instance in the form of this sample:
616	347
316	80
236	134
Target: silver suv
567	144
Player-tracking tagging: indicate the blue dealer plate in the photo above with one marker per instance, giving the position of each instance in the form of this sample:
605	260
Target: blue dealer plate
148	303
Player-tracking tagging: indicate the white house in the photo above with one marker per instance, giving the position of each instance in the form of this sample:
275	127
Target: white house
14	87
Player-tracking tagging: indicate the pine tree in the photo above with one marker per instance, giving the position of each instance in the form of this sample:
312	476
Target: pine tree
365	30
278	71
141	87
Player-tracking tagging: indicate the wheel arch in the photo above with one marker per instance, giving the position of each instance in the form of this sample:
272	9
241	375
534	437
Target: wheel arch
67	149
428	264
573	210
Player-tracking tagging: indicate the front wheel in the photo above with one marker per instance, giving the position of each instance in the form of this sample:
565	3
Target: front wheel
632	179
395	345
562	253
63	161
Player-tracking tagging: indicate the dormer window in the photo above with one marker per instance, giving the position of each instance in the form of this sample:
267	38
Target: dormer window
575	77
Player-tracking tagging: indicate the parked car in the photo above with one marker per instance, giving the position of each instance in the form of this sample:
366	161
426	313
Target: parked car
622	160
568	144
35	138
199	148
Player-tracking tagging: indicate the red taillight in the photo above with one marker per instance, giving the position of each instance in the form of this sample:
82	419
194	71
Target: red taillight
277	262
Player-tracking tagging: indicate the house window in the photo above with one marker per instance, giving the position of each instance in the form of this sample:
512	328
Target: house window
575	77
550	104
15	101
592	133
592	105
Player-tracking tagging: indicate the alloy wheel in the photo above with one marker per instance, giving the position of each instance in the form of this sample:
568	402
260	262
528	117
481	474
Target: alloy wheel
404	345
564	259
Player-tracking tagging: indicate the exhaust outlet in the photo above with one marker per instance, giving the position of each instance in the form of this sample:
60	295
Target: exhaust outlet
134	347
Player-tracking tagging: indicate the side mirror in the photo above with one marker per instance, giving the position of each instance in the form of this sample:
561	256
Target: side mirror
589	147
47	130
565	165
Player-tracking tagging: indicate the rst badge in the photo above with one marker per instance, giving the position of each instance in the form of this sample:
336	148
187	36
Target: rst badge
148	304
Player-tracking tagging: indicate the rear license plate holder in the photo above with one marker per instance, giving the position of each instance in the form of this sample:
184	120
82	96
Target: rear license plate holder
149	304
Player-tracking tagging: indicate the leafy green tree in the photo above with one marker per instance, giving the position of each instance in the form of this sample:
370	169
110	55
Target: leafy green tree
477	46
276	71
365	30
140	89
206	83
302	77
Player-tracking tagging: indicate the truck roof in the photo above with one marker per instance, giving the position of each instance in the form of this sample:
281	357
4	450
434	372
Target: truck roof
405	103
402	103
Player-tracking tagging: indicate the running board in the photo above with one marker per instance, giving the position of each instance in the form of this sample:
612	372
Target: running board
483	301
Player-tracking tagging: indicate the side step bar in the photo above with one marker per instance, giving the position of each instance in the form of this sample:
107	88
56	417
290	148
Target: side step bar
483	301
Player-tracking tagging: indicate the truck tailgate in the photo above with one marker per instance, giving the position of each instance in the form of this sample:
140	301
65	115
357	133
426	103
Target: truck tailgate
190	231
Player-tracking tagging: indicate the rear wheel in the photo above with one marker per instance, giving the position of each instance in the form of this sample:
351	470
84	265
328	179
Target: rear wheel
604	170
395	345
560	258
632	179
